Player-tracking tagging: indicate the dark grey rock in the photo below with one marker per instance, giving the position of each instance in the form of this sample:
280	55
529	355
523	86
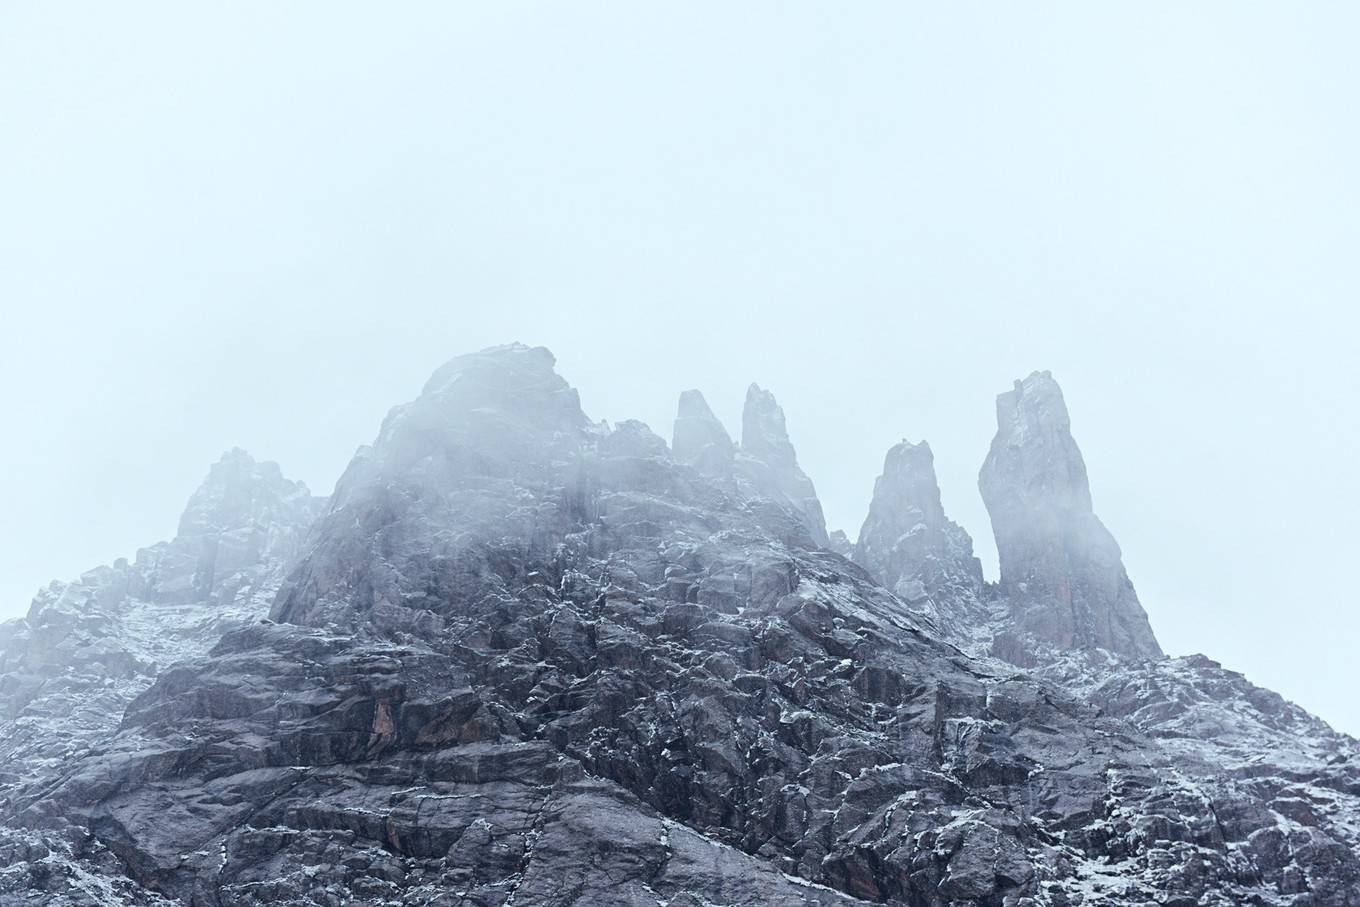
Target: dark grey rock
910	546
524	659
699	439
769	460
1061	570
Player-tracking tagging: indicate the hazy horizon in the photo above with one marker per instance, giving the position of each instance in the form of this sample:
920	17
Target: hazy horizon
264	226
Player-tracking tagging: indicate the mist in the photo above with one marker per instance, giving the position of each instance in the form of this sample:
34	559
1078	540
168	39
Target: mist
264	226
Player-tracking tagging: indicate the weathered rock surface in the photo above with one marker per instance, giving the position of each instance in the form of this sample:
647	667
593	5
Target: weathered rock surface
87	647
699	438
770	462
1061	570
525	660
910	546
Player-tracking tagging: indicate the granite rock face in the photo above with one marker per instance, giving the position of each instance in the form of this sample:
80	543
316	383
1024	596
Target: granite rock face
770	462
1061	570
698	438
912	548
527	659
87	648
116	626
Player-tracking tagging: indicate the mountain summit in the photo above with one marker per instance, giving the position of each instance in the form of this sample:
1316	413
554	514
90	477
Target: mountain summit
1061	569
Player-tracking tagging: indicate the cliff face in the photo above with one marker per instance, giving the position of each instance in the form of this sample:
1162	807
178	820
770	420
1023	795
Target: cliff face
912	548
88	647
527	659
769	460
1061	570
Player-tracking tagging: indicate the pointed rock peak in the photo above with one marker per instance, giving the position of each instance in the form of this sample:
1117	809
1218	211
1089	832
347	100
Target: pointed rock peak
772	464
693	406
240	492
909	544
1061	569
763	431
698	438
909	477
1034	461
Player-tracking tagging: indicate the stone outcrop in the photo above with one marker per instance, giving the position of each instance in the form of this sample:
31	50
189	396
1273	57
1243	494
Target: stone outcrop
88	647
768	459
912	548
699	439
525	659
1061	571
764	469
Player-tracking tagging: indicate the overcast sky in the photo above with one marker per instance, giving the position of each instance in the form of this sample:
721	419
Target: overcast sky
264	224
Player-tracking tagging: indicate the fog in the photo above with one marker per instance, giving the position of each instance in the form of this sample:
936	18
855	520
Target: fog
263	225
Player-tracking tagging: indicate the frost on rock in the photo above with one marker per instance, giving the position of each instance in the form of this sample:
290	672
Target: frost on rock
910	546
523	658
88	647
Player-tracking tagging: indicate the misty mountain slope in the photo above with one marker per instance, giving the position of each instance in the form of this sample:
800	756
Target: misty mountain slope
526	658
1066	609
88	647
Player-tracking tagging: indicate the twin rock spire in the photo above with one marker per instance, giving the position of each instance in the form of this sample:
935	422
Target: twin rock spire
765	458
1063	585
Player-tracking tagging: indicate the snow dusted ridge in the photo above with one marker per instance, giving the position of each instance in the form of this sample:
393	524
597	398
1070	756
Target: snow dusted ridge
88	647
521	658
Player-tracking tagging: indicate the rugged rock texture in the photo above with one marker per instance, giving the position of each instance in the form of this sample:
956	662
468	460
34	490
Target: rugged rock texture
1061	570
528	660
772	465
699	439
910	546
87	647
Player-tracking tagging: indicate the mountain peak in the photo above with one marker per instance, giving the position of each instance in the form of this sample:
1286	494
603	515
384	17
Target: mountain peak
908	544
771	462
698	437
764	433
1061	569
240	492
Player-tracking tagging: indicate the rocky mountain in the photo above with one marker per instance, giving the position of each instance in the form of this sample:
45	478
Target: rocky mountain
770	461
1061	570
910	546
87	648
524	658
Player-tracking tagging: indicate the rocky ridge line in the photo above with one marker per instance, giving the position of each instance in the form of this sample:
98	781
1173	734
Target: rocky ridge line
526	659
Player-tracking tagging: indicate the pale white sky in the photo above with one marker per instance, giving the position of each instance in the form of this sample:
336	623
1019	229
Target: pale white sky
263	224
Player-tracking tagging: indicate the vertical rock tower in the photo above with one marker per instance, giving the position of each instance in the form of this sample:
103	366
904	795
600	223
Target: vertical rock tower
910	546
772	464
1061	569
699	439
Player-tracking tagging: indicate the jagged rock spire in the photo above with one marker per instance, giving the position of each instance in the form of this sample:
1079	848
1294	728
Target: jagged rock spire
243	493
1061	569
772	463
907	542
244	514
699	439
